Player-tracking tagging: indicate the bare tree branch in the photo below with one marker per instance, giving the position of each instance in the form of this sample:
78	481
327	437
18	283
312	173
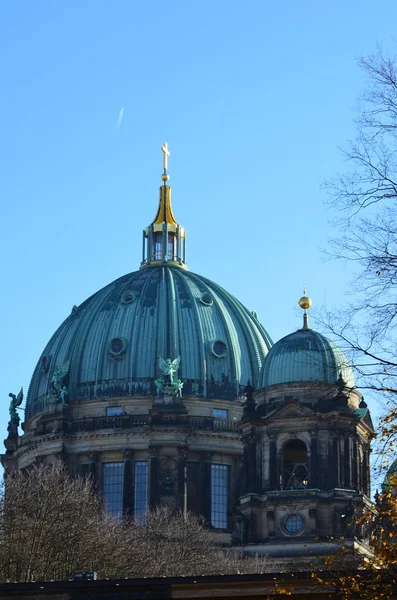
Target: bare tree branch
52	526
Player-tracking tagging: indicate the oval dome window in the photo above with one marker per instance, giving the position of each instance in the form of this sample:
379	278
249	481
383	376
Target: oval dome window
128	297
117	346
219	349
206	299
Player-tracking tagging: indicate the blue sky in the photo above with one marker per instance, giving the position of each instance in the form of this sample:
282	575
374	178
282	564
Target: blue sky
253	99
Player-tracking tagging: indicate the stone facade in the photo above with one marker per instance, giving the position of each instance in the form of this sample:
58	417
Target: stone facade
144	388
297	467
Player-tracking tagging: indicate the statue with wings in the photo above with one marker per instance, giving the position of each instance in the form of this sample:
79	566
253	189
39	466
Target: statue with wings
169	368
16	401
58	385
168	383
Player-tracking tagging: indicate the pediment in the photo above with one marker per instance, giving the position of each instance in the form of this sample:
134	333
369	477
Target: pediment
292	410
365	417
368	421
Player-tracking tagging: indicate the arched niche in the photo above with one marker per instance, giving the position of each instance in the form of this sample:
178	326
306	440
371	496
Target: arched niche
295	465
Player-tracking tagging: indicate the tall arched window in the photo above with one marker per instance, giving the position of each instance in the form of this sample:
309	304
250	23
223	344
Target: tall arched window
171	249
158	242
295	465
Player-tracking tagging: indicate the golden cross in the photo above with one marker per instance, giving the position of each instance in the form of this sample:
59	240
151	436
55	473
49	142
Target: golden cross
164	148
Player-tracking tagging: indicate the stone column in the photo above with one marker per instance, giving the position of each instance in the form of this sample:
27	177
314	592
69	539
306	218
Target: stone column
206	486
154	497
313	474
250	443
128	488
348	463
181	487
94	469
236	480
366	483
273	464
322	460
334	465
355	466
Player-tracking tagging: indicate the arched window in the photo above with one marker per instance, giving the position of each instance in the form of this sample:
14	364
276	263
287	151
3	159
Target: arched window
171	250
158	242
295	469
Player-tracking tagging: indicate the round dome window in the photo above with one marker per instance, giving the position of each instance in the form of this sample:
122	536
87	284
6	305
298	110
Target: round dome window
128	297
206	299
117	346
219	349
293	523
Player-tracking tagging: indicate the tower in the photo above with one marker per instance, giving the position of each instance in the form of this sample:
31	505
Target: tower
307	444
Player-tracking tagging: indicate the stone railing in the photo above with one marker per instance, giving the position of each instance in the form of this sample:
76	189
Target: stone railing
139	421
113	422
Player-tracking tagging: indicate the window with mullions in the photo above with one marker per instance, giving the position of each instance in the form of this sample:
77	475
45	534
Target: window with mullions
141	489
158	246
219	495
171	249
113	480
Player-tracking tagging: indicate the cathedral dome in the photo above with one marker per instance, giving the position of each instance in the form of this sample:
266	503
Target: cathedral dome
306	356
111	345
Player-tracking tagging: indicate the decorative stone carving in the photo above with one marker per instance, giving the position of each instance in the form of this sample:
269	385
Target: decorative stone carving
183	451
128	453
167	476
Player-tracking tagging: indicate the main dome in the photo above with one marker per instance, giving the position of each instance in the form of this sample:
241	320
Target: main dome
306	356
112	342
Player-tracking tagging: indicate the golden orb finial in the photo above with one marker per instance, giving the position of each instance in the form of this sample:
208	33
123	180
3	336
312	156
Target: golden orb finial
305	302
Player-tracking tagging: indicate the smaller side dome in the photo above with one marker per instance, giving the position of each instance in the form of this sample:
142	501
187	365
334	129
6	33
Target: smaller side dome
306	356
390	480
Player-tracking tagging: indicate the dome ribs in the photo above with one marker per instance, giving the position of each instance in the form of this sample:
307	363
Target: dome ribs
157	311
304	356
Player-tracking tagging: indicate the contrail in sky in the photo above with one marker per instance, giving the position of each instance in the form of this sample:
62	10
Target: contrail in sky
120	117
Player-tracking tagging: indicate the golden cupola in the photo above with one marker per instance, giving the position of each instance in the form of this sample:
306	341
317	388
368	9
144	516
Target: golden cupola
164	240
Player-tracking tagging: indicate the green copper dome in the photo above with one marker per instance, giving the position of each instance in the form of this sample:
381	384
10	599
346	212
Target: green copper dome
390	480
111	344
306	356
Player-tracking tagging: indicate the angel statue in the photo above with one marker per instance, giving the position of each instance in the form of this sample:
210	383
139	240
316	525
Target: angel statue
168	383
169	368
15	402
57	383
